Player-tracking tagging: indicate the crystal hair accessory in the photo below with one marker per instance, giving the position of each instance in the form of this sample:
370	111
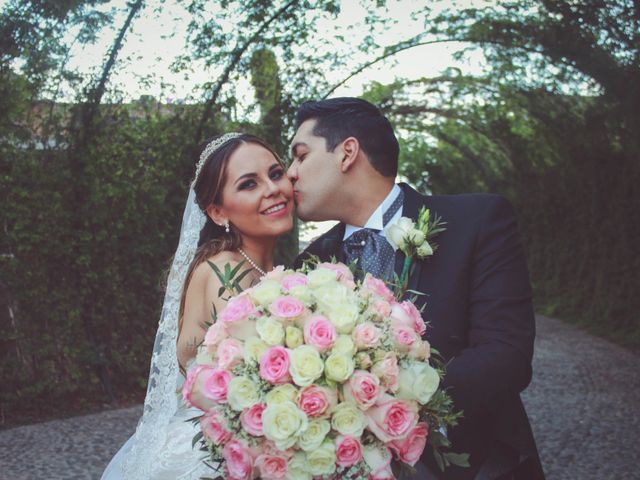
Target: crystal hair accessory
210	148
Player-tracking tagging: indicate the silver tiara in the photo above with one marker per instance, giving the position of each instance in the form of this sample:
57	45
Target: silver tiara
210	148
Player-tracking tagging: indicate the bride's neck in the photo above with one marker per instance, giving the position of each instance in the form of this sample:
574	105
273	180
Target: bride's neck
260	251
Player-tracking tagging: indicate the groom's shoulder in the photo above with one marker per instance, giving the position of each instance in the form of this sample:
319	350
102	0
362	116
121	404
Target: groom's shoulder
322	245
476	204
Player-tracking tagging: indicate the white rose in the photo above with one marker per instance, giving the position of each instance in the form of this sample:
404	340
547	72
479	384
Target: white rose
270	330
416	236
281	394
322	460
418	381
265	292
344	316
282	423
424	250
302	293
348	419
338	367
242	393
297	467
253	349
314	435
306	365
344	344
320	277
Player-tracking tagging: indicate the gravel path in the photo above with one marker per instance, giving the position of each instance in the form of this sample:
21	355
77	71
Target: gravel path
584	404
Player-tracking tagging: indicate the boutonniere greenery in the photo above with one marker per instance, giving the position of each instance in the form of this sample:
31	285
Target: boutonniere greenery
415	240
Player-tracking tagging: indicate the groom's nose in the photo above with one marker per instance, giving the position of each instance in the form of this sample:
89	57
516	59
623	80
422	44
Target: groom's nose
292	172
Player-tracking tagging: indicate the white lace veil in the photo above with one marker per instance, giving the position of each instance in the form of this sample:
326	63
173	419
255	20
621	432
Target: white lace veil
161	401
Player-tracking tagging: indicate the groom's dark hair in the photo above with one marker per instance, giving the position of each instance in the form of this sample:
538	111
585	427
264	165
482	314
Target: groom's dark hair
339	118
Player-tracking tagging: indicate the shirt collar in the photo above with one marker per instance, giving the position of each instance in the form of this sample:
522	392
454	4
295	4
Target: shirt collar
375	220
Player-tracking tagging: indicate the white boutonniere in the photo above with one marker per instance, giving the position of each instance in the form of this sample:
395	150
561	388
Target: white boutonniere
415	240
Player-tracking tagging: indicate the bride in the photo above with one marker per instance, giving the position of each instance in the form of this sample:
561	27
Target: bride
240	201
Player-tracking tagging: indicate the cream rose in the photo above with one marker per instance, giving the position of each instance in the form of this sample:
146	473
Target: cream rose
306	365
297	468
253	349
282	423
265	292
281	394
418	381
242	393
344	316
322	460
320	277
348	419
338	367
314	435
270	330
344	344
293	337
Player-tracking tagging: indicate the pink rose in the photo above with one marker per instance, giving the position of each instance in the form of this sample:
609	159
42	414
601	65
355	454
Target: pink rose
274	365
213	427
286	307
404	338
215	334
230	353
320	332
348	451
251	419
392	419
317	401
239	463
363	388
237	309
409	450
376	286
343	273
293	280
408	315
381	308
206	386
384	473
421	351
387	371
272	467
366	335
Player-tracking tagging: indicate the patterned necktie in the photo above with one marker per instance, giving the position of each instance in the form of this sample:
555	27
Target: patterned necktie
372	250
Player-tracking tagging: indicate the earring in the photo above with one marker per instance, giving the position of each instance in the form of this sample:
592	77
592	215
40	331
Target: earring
226	227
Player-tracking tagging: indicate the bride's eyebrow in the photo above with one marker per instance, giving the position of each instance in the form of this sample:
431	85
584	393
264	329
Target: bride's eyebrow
254	175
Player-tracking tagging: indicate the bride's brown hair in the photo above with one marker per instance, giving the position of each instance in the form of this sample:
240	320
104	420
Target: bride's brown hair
208	189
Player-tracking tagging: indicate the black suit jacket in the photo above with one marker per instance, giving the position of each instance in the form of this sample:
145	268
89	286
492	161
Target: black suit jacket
478	304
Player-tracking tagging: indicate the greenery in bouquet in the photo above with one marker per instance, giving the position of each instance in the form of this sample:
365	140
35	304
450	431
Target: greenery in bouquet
311	374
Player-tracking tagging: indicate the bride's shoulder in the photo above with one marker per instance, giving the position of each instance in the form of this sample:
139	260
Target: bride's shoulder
205	271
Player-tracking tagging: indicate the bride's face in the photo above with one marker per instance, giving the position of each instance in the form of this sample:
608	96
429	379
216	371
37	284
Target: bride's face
257	195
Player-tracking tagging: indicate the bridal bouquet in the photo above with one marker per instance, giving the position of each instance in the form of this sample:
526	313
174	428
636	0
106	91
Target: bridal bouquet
310	374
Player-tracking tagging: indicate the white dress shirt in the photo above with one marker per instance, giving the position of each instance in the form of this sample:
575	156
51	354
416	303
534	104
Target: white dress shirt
375	220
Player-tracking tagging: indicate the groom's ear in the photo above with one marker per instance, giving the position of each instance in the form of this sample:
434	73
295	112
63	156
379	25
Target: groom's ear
350	149
215	213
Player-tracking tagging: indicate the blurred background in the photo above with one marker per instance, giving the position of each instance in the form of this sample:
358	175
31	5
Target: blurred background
103	103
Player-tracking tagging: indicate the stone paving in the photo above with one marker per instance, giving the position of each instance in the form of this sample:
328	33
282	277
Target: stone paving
584	404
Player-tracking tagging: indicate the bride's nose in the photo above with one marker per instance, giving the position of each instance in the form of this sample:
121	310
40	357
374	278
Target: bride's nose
272	188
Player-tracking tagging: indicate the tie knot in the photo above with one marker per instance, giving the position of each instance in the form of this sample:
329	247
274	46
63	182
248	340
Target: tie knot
361	237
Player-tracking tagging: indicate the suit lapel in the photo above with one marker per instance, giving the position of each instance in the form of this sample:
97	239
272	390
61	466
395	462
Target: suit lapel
328	245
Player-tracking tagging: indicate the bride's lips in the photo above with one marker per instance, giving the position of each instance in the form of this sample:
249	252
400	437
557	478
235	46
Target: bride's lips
283	209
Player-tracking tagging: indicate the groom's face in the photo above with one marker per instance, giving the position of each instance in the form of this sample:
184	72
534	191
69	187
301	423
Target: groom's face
315	174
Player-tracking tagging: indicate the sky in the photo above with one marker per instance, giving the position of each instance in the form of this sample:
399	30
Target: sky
158	36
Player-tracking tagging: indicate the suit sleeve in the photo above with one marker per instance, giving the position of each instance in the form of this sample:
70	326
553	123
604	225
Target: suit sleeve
496	365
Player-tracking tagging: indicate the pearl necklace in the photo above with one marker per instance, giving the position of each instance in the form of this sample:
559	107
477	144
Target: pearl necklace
251	262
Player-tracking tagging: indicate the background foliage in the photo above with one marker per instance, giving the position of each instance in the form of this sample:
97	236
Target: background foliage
92	186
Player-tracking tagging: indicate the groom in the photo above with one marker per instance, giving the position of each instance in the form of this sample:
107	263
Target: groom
345	160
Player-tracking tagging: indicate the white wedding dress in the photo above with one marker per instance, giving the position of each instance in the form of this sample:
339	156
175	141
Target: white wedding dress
175	459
